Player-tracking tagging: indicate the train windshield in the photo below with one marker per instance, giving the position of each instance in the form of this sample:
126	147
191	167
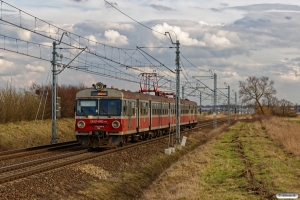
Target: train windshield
87	107
110	107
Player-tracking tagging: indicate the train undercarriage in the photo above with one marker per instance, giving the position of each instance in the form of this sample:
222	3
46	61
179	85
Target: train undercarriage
102	139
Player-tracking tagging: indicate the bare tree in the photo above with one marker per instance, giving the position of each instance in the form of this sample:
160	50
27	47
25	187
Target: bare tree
254	89
284	107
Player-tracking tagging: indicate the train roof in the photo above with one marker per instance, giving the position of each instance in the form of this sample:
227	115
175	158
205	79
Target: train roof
122	94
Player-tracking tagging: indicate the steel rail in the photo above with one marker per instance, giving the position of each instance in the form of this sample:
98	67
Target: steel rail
37	150
34	148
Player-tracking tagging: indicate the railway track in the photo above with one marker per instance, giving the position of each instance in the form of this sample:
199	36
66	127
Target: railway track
25	169
36	150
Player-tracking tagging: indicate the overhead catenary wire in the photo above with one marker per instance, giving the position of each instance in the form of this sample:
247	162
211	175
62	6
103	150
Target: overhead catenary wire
156	60
192	63
133	19
49	24
78	43
48	59
70	35
94	53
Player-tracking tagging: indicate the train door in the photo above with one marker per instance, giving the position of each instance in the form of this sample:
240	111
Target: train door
169	114
129	112
134	115
146	114
138	114
160	114
189	113
150	114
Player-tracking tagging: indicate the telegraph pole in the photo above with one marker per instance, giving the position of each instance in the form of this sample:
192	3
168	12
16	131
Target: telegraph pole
228	106
215	101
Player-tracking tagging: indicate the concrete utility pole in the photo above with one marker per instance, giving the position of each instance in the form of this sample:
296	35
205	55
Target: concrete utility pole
235	106
54	91
53	138
177	93
182	92
200	106
177	139
228	106
215	101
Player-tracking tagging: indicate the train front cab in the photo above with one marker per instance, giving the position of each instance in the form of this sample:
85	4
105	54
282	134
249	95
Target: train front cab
98	118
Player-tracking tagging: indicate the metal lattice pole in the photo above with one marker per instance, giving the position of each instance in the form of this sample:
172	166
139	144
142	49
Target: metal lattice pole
228	106
53	138
215	101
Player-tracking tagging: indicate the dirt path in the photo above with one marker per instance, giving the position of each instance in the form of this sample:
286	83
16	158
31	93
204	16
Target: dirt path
240	164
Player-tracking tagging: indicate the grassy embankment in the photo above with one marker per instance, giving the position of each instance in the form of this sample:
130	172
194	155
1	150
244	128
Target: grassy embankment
21	134
130	184
251	161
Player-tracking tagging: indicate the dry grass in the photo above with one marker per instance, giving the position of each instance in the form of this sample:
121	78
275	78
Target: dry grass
182	180
240	164
17	104
285	131
28	133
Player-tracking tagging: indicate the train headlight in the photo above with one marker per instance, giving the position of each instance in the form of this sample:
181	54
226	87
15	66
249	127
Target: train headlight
80	124
115	124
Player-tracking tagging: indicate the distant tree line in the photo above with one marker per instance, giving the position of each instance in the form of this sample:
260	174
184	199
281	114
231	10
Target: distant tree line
259	93
19	104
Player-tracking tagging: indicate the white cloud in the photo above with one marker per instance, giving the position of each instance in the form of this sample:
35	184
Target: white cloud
92	38
7	68
117	26
210	38
114	37
47	43
202	23
214	40
34	68
22	80
183	37
24	35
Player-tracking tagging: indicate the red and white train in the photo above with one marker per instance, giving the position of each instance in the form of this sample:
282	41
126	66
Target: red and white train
110	117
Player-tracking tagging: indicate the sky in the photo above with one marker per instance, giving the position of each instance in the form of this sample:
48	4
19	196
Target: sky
234	39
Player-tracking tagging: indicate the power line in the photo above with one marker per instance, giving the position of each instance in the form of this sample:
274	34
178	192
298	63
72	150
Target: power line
118	73
133	19
156	60
192	64
49	24
154	65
